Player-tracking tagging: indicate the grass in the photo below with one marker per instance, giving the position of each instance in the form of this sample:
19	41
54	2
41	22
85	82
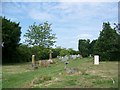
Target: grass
104	75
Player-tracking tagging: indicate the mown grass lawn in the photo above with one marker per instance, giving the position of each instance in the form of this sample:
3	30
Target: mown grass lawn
104	75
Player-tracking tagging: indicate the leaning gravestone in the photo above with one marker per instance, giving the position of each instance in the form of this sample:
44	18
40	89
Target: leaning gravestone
96	59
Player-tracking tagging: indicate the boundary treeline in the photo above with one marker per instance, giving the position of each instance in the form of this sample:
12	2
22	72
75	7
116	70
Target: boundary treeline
107	45
39	41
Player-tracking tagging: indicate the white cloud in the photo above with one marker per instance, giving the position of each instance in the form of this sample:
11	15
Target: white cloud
73	42
40	15
85	11
84	36
12	7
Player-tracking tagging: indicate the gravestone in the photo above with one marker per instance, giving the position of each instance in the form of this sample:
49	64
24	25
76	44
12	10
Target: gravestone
96	59
90	55
44	63
71	70
50	57
33	62
74	57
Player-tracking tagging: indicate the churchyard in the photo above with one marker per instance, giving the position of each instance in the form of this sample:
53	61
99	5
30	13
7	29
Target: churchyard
59	45
63	73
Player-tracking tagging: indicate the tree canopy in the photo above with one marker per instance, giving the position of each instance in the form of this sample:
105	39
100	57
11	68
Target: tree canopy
40	35
83	47
11	32
107	44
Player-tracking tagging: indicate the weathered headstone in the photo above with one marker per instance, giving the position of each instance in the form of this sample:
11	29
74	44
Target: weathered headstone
78	56
71	70
74	57
50	57
44	63
33	62
96	59
90	55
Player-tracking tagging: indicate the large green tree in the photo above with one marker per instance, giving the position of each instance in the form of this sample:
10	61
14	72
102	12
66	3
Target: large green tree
107	45
41	38
91	47
40	35
83	47
11	32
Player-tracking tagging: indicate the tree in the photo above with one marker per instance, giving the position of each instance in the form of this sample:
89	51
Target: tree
91	47
83	47
11	32
24	53
107	44
73	52
41	39
64	52
40	35
56	51
117	27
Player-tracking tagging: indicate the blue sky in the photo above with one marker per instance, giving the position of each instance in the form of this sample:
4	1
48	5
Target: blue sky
71	21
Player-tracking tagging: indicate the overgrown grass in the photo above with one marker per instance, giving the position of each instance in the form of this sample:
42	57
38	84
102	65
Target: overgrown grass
104	75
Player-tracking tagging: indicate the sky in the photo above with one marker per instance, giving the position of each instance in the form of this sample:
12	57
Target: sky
70	21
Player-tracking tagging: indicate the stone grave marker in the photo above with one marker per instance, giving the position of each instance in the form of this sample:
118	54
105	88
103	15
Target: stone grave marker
50	57
33	62
96	59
